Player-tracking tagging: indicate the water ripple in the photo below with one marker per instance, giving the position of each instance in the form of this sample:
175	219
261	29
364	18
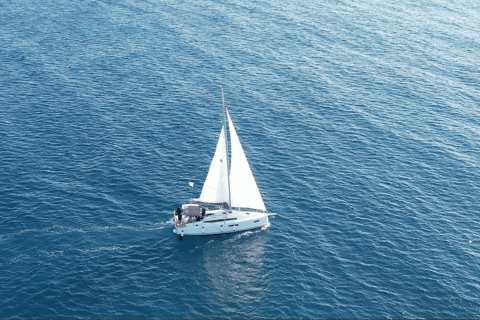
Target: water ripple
361	121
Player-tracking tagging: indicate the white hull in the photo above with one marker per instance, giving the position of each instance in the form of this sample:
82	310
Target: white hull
220	222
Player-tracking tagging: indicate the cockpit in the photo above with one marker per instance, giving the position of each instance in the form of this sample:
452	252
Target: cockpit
190	213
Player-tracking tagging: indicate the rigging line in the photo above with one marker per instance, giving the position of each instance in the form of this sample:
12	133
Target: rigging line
224	104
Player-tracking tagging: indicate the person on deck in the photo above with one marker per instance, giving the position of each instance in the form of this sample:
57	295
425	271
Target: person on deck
179	214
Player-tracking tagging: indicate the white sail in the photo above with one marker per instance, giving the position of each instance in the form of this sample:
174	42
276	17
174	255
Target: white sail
215	188
244	192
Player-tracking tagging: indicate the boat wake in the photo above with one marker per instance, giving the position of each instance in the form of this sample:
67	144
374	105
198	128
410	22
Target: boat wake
56	229
247	233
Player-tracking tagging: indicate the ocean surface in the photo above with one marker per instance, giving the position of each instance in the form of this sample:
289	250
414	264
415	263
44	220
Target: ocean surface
361	120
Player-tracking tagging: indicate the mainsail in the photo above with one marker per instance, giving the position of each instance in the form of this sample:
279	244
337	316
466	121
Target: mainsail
215	188
244	192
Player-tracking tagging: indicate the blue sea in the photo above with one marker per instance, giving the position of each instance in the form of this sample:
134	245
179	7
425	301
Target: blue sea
361	120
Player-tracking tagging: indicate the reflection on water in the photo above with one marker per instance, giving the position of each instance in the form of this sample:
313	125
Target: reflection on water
233	267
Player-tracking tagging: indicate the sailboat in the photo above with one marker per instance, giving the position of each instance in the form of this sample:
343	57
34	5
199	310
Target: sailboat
230	200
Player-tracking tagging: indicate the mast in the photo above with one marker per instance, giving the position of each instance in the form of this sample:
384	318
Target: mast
226	146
